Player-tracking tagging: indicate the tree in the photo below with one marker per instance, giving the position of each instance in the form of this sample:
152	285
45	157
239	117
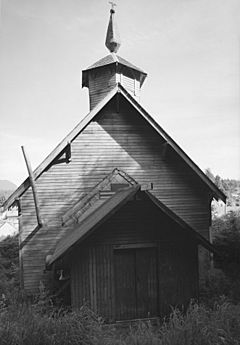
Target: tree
210	174
9	264
2	199
226	237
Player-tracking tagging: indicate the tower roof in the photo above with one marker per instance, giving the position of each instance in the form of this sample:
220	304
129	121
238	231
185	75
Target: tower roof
113	59
114	64
113	41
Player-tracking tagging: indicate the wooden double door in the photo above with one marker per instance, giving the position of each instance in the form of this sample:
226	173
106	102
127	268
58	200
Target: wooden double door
136	283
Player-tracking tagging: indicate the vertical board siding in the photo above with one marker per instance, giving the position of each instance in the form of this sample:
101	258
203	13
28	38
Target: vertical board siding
149	280
91	279
178	265
104	79
79	286
124	284
114	139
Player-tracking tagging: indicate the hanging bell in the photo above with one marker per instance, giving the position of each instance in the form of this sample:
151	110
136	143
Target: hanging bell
61	277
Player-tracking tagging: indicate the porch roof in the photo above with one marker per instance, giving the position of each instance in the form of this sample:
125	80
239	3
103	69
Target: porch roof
97	214
103	209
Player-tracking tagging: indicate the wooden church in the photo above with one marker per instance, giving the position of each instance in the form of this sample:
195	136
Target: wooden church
123	213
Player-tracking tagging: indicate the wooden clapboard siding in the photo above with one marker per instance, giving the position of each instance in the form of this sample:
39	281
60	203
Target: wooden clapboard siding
33	255
114	139
104	79
138	228
101	81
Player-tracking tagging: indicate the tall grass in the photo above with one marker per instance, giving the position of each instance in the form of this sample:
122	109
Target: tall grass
26	325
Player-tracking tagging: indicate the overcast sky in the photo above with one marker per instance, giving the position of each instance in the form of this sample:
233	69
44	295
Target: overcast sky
189	48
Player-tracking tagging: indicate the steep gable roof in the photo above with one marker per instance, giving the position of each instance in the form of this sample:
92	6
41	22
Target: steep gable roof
101	210
218	194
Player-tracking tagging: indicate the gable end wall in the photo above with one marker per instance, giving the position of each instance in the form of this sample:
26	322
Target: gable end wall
119	139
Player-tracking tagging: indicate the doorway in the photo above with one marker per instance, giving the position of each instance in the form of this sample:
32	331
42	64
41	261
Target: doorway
136	283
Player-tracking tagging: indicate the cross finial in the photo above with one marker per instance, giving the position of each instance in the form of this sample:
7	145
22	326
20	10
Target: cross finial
113	4
112	39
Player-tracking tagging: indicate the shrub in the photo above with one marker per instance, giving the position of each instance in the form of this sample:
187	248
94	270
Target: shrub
226	238
198	326
9	265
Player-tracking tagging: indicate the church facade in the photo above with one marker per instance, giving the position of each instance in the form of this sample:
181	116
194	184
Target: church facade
125	213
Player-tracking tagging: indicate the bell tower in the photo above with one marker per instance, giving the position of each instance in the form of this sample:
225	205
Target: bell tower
106	73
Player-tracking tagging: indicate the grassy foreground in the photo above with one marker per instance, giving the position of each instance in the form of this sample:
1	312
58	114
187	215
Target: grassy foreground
28	325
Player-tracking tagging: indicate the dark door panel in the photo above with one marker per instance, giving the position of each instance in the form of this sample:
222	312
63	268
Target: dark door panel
146	282
136	284
125	288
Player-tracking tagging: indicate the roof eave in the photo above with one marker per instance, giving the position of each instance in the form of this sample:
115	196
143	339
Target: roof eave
85	72
16	194
216	192
203	241
58	254
59	148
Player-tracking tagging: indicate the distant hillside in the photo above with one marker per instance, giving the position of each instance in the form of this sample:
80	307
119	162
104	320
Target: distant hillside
6	189
7	185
